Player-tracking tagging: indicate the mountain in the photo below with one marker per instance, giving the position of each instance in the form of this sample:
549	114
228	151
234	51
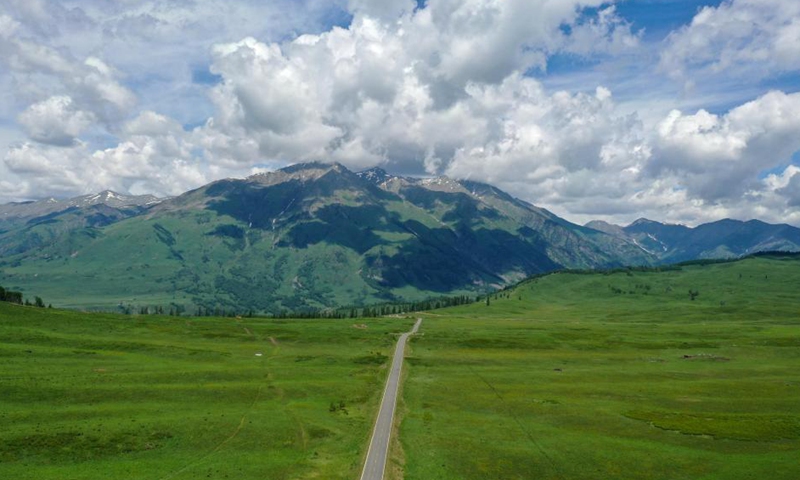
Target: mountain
722	239
28	226
309	235
12	212
605	227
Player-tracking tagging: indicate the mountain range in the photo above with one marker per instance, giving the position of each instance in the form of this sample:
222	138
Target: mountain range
318	235
722	239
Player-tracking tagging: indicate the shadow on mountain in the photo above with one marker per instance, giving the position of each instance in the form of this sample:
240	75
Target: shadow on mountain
262	206
254	205
463	209
351	227
443	260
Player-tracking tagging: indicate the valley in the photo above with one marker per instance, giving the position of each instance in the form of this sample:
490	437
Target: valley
400	240
570	375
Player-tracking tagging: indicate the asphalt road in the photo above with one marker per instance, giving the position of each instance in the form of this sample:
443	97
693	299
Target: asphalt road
378	451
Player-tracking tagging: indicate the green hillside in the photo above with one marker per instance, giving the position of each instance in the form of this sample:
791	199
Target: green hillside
620	375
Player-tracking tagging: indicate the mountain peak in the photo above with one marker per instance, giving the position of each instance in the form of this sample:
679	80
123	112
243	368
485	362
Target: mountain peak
112	199
443	183
105	196
50	206
375	175
642	221
303	172
600	223
314	166
606	227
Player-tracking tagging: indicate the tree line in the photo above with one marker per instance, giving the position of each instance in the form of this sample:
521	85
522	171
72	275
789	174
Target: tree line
369	311
11	296
380	310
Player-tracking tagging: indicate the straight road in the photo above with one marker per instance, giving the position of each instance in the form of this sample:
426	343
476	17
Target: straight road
379	445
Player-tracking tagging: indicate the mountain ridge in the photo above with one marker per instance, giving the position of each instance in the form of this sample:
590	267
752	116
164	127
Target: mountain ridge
724	238
312	235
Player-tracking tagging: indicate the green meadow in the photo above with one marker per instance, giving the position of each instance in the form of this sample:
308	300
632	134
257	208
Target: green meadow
566	376
621	375
92	396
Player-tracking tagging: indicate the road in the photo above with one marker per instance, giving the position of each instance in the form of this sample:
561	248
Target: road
378	451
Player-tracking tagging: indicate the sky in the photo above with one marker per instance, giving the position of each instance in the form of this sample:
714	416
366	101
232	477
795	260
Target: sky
681	111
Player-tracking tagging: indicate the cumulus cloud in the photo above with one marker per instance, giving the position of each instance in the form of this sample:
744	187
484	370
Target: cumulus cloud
401	91
756	37
720	157
91	84
449	87
616	33
51	170
533	136
381	9
55	121
66	70
273	97
787	184
155	155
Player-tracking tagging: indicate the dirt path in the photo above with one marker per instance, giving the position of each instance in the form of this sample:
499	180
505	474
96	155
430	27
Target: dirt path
222	443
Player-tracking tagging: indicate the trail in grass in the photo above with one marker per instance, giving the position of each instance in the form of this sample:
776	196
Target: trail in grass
518	422
221	444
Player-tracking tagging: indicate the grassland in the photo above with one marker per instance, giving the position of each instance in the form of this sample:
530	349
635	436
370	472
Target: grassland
612	376
568	376
105	396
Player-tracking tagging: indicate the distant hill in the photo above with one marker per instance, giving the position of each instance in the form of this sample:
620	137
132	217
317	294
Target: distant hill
723	239
30	226
310	235
19	212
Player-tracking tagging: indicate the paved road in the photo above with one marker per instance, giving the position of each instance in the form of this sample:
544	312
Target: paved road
379	445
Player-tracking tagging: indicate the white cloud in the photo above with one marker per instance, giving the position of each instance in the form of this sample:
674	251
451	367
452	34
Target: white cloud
615	32
790	187
152	124
274	98
399	91
55	121
8	26
91	84
753	37
381	9
720	157
155	156
47	170
445	88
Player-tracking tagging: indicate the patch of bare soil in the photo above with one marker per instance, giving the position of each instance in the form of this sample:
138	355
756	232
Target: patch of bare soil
706	356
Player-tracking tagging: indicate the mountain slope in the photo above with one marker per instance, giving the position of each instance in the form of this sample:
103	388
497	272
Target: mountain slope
722	239
310	235
31	226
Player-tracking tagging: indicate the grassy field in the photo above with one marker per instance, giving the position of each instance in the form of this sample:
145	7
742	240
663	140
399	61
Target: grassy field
568	376
612	376
105	396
